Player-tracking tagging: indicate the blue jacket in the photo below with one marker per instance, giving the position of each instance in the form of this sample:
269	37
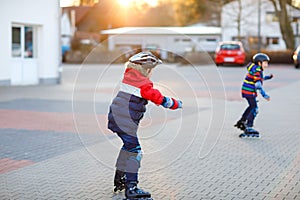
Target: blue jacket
125	113
129	106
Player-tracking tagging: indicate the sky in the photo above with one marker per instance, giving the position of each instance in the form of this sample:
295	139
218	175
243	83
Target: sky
127	2
296	3
66	3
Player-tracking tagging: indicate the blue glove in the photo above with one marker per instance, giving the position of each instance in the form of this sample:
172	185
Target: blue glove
171	103
179	104
258	86
268	77
167	102
265	96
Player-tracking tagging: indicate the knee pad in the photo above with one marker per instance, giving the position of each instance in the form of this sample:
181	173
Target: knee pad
136	156
134	161
139	155
255	111
121	160
126	154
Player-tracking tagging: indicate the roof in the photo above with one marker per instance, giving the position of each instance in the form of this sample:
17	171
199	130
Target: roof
195	30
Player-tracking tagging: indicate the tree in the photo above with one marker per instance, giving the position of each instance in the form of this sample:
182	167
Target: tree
214	7
193	11
284	20
286	29
88	2
236	16
161	15
188	11
239	15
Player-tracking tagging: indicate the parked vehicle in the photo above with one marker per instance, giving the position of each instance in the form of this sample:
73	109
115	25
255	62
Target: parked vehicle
126	51
230	52
153	48
296	57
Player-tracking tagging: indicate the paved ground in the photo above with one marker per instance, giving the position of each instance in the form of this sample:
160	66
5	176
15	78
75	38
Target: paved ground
54	143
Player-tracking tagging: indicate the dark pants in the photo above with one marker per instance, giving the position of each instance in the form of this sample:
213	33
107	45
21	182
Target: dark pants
129	157
250	112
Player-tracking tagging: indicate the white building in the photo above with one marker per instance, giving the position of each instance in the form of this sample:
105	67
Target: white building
67	31
247	17
30	42
176	40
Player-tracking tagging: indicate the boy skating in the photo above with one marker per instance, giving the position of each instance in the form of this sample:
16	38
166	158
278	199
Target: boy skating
125	113
253	82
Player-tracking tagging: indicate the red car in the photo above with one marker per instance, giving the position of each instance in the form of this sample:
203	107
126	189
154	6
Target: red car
231	52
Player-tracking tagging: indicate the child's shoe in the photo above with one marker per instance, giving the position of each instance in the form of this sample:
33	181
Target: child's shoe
241	125
250	130
119	181
133	192
250	133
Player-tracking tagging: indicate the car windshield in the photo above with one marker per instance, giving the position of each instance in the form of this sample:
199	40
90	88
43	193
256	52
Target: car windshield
230	47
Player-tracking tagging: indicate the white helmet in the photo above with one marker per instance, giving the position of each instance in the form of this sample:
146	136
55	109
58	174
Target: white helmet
146	59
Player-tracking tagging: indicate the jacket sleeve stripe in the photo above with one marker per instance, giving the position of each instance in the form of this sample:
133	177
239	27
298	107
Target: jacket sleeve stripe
130	89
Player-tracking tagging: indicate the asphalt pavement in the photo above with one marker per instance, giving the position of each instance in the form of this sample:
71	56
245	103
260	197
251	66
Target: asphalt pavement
54	143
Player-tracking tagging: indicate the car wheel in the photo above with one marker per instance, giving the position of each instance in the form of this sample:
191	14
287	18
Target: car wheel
297	66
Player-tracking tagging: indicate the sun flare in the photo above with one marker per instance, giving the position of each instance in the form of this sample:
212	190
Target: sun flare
152	2
126	3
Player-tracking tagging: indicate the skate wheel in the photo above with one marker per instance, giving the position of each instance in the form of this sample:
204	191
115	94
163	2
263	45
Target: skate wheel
244	135
118	189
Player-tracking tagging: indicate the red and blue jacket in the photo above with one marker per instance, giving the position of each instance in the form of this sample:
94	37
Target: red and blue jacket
255	73
129	106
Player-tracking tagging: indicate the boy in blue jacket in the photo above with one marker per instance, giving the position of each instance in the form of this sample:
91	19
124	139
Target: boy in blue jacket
125	113
253	82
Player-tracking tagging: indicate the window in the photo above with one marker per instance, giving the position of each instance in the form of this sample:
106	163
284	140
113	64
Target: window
238	38
186	40
230	47
253	40
182	40
272	40
22	41
211	39
271	17
28	48
16	42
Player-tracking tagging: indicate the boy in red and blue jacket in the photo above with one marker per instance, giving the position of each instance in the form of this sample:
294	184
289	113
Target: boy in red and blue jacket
126	111
253	82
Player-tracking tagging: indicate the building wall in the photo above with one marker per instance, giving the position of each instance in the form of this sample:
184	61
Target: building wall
44	16
67	32
177	44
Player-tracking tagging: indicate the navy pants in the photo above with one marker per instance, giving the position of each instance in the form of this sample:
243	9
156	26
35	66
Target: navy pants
250	112
130	156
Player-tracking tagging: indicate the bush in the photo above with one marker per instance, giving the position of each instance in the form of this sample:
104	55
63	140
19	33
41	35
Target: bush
283	57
